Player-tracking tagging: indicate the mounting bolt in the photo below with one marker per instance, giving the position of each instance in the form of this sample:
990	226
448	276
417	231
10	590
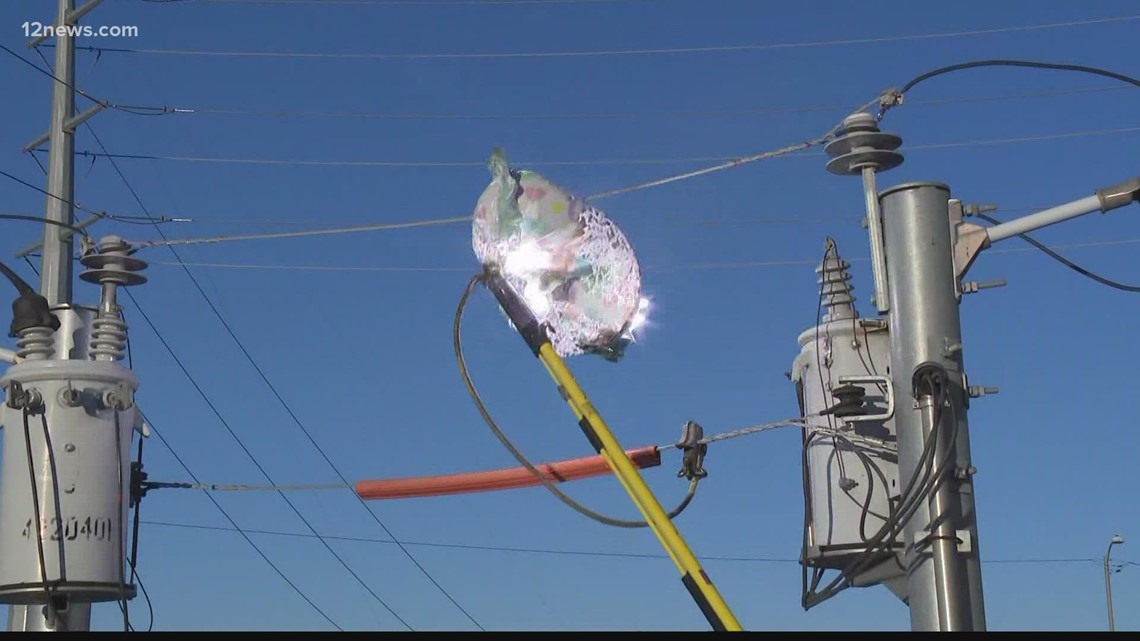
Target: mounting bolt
964	473
981	390
70	447
973	286
70	397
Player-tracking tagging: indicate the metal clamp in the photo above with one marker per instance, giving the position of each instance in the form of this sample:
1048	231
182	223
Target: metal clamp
27	399
693	459
885	381
118	397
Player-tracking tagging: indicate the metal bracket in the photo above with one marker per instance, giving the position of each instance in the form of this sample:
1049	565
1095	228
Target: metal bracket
120	397
965	541
22	398
971	240
883	380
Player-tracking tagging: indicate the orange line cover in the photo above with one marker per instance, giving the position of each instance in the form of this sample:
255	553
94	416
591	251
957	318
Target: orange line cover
505	479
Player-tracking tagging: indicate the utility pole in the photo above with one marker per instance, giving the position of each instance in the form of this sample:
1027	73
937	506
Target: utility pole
942	552
55	275
69	411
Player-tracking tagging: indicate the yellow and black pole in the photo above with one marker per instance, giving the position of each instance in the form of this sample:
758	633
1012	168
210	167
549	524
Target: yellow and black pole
693	576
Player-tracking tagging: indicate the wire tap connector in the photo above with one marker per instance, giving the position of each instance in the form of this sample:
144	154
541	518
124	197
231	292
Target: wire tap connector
693	451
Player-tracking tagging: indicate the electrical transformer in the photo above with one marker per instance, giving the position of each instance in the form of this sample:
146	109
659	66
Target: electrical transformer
842	381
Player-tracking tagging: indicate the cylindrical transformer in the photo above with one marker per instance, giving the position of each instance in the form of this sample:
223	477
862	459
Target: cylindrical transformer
73	423
842	379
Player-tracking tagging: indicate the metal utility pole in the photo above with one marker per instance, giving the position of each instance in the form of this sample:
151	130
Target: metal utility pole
68	411
1116	540
55	276
944	572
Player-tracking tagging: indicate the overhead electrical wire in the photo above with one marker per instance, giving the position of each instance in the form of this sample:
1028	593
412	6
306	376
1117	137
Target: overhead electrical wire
233	433
234	527
1065	261
412	3
191	474
728	161
609	116
296	420
106	104
610	52
587	553
1030	64
651	269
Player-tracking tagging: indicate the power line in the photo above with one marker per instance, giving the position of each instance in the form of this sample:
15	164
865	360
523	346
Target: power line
564	552
614	52
233	523
301	234
629	115
106	104
296	420
597	161
225	423
411	3
651	269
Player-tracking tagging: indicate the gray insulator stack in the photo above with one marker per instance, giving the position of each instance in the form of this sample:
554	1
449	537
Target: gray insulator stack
111	266
835	285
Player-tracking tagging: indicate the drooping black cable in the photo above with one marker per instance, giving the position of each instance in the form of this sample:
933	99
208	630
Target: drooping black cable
519	456
913	495
146	595
106	104
1065	261
57	500
1033	64
932	477
43	221
38	525
121	530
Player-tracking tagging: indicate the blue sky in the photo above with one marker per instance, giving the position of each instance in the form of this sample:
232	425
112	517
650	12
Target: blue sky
364	358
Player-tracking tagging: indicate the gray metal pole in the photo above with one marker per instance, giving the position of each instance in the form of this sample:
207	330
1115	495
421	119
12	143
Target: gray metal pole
944	573
35	618
1108	581
55	274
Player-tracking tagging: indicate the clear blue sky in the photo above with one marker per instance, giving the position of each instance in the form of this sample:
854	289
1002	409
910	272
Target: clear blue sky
364	358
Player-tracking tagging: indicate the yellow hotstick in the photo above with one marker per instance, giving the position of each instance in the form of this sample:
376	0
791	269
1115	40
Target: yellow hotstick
693	576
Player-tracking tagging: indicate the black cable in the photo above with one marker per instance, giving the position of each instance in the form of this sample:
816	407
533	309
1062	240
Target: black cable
43	221
519	456
146	595
931	480
910	503
39	524
122	529
1065	261
1003	63
51	195
57	500
106	104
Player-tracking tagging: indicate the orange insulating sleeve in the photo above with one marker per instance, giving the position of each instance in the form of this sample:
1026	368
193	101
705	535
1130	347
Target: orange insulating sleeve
505	479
